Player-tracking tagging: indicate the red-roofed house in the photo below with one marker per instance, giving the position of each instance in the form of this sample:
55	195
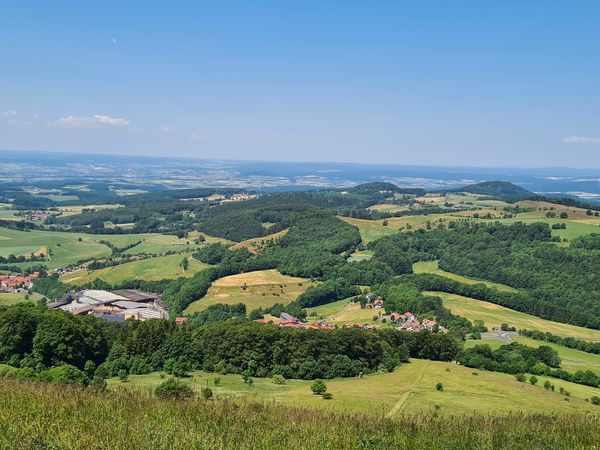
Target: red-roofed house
429	324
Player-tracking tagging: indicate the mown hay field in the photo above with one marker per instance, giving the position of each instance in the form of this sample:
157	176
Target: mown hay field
258	289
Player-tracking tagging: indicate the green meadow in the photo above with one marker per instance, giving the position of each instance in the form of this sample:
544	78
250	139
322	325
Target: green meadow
432	267
69	248
159	268
494	315
410	389
12	298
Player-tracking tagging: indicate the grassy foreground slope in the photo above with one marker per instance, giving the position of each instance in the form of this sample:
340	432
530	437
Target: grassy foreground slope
40	416
160	268
494	315
410	389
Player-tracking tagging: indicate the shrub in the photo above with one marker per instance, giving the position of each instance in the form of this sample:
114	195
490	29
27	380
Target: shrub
65	374
520	377
123	375
207	393
177	367
318	387
278	379
439	387
533	379
327	396
217	381
595	400
173	388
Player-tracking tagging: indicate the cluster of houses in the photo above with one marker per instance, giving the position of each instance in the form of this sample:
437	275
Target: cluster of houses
408	321
114	306
34	216
17	282
288	321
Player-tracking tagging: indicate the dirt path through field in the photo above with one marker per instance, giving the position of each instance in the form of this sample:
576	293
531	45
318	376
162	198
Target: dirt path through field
403	401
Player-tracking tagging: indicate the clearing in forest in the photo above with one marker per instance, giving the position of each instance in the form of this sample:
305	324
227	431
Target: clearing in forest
494	315
258	289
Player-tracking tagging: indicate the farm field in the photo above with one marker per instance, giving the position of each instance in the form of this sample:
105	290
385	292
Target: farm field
409	389
67	248
572	360
258	289
324	311
462	199
432	267
12	298
160	268
494	315
77	209
351	313
388	207
8	214
254	244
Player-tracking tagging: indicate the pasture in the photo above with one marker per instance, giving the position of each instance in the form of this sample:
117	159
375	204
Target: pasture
494	315
12	298
159	268
258	289
255	244
432	267
69	248
388	207
410	389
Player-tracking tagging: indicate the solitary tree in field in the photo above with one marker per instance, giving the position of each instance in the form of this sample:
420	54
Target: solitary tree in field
318	387
185	264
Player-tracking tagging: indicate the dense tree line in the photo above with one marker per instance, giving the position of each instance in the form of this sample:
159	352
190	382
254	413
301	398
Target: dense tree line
327	292
516	358
571	342
38	339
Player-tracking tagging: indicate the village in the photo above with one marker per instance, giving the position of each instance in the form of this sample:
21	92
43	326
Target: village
17	282
404	322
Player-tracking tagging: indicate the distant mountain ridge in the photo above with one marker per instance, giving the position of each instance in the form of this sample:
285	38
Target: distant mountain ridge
502	190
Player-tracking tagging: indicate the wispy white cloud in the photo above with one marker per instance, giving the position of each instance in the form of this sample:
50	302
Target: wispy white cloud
581	140
95	120
198	137
111	120
166	128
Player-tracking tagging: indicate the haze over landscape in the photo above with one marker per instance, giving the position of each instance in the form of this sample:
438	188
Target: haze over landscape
310	224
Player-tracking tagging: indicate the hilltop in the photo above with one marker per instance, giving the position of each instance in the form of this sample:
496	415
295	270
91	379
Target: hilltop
502	190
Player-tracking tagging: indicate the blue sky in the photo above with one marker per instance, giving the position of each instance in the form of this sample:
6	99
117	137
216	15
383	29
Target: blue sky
481	83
